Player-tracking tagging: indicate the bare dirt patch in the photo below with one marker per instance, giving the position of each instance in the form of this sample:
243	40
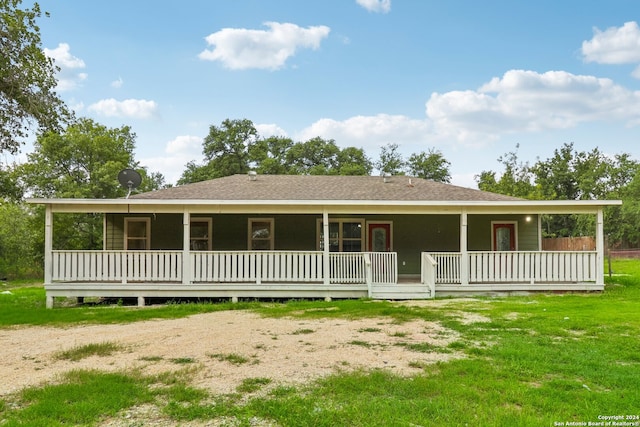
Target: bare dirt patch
225	348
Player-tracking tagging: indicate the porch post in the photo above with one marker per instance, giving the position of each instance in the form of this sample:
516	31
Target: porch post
539	232
325	249
600	248
186	240
464	255
48	247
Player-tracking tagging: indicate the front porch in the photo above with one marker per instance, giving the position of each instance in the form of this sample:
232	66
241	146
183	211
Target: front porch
312	274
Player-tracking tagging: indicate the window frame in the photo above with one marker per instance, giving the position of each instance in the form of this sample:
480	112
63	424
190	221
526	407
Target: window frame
208	238
251	239
146	238
341	239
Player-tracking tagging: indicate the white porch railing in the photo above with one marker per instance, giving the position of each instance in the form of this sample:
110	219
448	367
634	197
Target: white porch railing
384	267
224	267
518	267
428	272
116	266
256	266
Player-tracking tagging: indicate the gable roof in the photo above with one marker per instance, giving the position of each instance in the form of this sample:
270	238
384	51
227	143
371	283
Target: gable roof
321	188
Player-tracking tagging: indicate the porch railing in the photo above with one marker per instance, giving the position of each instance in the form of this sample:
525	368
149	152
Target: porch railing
428	272
224	267
516	267
257	266
116	266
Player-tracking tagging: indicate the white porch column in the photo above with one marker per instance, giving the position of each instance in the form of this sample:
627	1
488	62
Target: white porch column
48	248
325	243
600	248
48	244
464	255
539	232
186	241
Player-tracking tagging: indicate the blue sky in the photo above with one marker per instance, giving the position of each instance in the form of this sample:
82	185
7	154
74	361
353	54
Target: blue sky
468	78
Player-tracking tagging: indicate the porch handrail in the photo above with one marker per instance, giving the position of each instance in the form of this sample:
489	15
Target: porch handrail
116	266
428	272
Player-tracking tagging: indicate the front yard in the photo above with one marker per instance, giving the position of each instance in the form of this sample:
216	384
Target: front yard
545	359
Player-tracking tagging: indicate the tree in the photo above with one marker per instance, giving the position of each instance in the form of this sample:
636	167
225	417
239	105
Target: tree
390	161
20	241
226	148
27	78
269	155
226	151
353	161
515	180
314	157
82	162
430	165
9	187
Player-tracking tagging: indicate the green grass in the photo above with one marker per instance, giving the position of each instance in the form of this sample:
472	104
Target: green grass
25	305
94	349
539	360
233	358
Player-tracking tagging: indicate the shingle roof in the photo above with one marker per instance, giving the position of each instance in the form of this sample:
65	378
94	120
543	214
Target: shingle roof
321	187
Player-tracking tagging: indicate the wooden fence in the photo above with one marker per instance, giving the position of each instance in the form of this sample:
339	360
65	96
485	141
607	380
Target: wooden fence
586	243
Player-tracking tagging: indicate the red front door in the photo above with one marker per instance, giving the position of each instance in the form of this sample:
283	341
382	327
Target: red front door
504	237
379	237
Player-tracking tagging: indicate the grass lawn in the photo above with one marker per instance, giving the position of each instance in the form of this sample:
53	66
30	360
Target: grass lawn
546	359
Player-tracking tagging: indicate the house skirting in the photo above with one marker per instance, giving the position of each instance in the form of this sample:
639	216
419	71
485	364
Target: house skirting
443	290
233	291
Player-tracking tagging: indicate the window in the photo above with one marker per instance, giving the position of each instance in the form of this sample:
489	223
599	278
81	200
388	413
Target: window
345	235
200	234
260	234
137	234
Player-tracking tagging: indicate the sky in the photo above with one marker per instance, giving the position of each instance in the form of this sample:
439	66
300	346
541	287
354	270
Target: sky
471	79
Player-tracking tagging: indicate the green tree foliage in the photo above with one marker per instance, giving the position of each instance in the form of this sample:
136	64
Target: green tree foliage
226	151
353	161
515	180
27	78
235	147
82	162
20	241
269	155
390	160
429	165
573	175
10	190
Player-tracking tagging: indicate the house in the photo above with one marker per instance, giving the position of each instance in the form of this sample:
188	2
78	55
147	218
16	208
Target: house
290	236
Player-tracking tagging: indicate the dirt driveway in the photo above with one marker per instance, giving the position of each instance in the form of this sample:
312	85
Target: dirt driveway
287	351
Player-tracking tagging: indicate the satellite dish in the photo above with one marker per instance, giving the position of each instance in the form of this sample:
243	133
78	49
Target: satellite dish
129	179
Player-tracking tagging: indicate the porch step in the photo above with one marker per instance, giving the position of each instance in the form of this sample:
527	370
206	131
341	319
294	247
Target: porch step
401	291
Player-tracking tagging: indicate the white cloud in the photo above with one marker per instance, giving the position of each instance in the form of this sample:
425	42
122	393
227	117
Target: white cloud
177	153
68	76
518	102
370	132
239	48
185	144
381	6
614	45
267	130
117	84
133	108
526	101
